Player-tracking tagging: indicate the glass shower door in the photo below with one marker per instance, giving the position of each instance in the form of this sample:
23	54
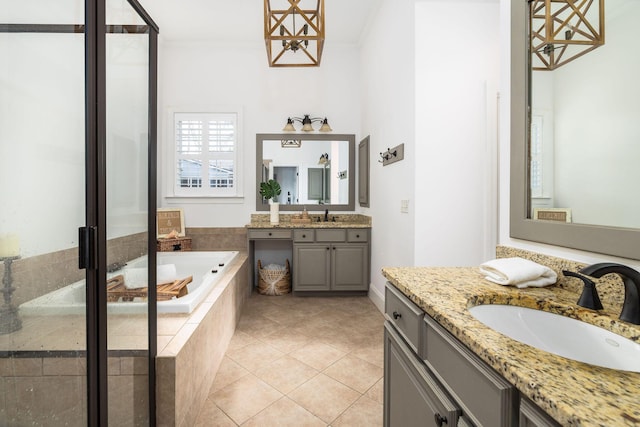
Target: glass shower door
42	199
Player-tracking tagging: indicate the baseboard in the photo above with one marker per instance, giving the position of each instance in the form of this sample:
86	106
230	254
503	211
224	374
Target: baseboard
377	298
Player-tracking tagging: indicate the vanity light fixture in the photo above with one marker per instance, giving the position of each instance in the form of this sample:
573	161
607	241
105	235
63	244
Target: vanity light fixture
294	32
563	30
324	159
307	124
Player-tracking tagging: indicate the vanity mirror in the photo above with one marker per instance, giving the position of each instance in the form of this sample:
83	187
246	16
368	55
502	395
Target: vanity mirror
584	117
315	171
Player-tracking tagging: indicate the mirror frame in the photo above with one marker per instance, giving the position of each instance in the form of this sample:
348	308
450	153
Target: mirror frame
615	241
350	138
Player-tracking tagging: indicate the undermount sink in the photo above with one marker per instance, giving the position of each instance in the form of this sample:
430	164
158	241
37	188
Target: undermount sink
561	335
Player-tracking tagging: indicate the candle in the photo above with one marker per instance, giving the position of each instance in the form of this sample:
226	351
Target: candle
9	246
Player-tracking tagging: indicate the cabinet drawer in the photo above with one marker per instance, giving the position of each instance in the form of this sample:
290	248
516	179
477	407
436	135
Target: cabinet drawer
331	235
303	235
357	235
486	397
269	234
404	315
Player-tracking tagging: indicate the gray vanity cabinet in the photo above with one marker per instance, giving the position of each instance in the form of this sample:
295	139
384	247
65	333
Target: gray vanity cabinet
412	397
330	260
532	416
429	375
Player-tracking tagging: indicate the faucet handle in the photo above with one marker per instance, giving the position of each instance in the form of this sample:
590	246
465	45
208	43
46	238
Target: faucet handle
589	297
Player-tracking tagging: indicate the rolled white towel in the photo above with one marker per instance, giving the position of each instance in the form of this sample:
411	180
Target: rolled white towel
137	277
519	272
166	273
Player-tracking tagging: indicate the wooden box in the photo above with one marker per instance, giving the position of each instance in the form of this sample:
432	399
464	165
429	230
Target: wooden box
179	244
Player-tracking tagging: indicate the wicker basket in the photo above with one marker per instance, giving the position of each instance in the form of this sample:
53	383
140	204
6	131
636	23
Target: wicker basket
267	285
179	244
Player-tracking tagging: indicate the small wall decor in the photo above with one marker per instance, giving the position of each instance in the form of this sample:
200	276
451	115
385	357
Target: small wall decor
170	221
392	155
342	174
552	214
291	143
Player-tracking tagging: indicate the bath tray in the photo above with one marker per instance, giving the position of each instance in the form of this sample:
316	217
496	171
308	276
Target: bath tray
165	291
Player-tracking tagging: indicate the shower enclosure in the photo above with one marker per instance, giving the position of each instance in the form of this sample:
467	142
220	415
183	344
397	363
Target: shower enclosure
77	190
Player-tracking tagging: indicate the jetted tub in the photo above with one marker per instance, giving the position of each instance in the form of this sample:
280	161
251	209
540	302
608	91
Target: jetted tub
205	267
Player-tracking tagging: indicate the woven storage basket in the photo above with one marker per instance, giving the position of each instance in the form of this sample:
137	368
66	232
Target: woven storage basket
179	244
272	282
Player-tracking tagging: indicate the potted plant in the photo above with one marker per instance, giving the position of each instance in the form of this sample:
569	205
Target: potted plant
270	190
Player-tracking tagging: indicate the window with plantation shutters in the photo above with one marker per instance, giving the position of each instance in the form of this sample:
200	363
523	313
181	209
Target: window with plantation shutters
206	154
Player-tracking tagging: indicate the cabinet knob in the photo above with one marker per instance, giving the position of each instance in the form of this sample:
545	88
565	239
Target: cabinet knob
396	315
439	419
270	234
304	235
357	236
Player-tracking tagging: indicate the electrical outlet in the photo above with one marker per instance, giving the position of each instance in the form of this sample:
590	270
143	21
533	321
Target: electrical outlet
404	206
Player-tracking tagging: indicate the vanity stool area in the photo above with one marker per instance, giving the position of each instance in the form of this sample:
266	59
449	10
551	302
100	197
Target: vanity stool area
327	257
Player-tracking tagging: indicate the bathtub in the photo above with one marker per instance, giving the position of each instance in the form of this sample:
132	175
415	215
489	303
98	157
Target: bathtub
205	267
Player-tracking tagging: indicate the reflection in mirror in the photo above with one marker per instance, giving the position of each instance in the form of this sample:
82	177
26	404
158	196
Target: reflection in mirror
591	169
583	129
315	171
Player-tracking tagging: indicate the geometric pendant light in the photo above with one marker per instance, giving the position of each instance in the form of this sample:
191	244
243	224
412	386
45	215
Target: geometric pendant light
294	32
563	30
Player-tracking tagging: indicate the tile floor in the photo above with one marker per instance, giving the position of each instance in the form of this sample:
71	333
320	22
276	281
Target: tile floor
301	361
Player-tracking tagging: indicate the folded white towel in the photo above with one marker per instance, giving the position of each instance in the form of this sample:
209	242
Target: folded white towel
519	272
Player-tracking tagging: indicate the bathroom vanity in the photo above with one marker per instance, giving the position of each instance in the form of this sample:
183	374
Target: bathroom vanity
327	256
445	368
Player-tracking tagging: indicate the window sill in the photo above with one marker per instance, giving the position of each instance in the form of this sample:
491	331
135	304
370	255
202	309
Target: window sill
180	200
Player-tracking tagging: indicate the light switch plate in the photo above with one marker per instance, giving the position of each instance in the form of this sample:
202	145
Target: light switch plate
404	206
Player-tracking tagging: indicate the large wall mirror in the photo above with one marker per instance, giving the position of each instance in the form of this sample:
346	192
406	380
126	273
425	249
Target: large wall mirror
575	141
315	171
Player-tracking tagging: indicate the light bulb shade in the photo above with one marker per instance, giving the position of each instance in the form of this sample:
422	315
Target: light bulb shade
289	126
306	123
325	126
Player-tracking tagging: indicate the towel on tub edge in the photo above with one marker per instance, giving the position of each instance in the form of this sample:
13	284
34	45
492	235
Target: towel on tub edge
518	272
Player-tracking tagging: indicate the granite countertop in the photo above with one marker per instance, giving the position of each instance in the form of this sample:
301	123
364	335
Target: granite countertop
335	221
573	393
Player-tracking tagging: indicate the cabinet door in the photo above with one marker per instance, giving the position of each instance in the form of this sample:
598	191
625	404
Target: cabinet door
350	267
311	266
411	396
532	416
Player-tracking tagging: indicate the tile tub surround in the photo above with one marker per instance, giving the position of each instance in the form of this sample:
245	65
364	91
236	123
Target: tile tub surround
217	238
573	393
50	389
191	347
342	221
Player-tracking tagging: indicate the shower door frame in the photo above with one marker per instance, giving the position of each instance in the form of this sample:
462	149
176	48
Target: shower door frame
96	200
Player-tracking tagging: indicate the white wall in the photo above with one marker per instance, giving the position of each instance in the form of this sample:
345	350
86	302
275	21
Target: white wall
208	76
388	115
457	77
